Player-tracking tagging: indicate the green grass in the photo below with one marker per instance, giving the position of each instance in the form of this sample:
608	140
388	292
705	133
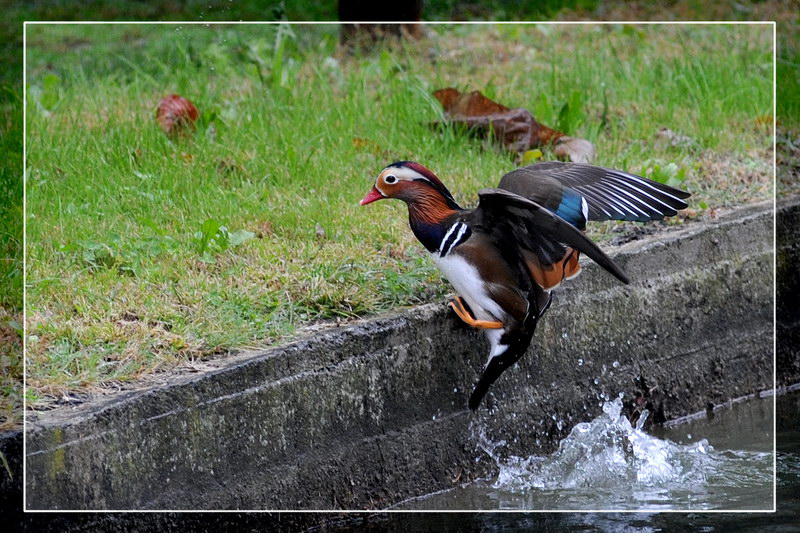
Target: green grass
10	276
129	271
10	258
788	107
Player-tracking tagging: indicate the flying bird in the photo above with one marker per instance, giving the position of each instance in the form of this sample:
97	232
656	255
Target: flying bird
524	238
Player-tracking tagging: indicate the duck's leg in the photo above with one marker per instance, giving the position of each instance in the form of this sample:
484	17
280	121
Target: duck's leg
458	306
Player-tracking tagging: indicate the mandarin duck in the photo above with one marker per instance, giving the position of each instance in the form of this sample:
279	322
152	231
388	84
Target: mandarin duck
504	257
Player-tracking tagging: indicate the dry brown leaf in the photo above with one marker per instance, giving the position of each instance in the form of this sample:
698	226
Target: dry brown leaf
516	128
176	114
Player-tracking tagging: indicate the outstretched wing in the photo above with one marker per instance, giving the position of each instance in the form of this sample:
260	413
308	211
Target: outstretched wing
538	230
608	194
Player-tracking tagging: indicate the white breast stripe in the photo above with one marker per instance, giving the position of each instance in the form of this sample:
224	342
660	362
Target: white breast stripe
447	235
445	248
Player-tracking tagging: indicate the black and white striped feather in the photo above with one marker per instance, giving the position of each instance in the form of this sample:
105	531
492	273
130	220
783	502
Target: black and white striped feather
610	194
458	233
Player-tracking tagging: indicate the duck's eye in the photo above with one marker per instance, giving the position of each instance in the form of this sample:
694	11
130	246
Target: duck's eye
391	178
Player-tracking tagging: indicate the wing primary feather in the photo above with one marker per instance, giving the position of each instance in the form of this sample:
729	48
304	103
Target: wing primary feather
660	188
624	210
650	200
598	203
629	200
610	193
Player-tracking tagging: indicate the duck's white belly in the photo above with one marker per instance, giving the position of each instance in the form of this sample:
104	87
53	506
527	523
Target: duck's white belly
468	284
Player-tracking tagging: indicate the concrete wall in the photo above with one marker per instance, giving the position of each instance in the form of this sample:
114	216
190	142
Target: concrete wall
787	263
363	416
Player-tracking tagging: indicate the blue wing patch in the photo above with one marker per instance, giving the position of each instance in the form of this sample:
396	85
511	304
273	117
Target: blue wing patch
572	209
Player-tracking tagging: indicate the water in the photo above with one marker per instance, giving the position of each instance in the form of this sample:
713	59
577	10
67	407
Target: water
722	463
784	520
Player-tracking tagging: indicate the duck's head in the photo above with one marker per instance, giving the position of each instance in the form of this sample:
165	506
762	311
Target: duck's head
410	182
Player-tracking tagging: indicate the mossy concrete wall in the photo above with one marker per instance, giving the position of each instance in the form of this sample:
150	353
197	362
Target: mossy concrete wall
363	416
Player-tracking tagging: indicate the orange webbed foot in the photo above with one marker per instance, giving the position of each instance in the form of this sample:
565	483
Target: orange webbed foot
457	305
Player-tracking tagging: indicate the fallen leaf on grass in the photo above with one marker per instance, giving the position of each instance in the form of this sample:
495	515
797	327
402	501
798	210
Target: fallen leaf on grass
530	156
176	115
515	128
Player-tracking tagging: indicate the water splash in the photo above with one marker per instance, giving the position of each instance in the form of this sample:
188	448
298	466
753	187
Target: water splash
609	460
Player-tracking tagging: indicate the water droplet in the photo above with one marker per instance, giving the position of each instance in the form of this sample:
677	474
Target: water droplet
615	364
642	419
596	381
613	344
580	362
455	389
564	335
688	435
